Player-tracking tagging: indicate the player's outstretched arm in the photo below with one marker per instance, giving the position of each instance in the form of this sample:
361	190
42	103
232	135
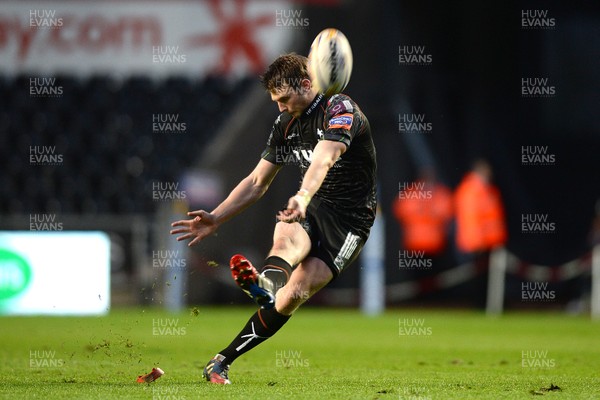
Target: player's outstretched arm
325	154
246	193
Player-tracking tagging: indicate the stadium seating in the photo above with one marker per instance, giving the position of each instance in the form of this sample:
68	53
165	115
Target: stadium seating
103	129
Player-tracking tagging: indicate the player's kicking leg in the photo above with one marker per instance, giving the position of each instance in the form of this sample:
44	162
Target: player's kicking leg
290	245
308	278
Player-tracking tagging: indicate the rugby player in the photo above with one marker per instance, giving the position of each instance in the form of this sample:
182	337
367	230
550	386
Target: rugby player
325	224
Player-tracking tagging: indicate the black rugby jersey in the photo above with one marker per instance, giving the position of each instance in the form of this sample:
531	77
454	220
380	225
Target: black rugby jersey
350	185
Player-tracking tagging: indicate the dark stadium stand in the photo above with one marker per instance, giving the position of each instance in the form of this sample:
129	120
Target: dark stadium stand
103	128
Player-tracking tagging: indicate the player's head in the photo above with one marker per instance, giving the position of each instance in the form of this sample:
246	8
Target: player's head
288	82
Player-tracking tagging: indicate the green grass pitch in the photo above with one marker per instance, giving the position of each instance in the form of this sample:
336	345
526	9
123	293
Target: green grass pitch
319	354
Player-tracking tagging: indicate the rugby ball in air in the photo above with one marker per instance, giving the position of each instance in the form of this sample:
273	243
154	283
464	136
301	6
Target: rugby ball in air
330	61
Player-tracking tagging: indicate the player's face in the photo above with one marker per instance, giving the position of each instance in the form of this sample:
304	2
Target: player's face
292	101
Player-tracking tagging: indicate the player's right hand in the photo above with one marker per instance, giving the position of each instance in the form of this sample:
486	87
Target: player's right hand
200	226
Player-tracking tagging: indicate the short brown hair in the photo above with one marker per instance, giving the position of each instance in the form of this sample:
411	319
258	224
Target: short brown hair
286	70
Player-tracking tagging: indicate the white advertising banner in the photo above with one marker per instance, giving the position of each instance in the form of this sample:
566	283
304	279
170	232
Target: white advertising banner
65	273
155	38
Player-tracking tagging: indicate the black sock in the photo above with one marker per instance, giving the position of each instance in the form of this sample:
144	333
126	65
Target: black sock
277	270
261	326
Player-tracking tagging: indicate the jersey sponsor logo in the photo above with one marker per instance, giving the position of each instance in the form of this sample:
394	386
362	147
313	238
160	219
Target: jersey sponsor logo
293	155
342	121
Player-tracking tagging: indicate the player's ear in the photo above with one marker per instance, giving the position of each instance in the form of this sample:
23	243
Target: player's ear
305	85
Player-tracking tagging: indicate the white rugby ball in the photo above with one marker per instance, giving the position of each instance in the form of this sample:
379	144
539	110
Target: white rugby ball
330	61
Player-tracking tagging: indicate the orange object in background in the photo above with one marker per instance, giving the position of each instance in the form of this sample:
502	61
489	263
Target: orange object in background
424	210
480	223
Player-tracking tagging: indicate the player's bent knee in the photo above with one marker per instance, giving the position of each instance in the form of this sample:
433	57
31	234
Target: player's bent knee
285	229
290	242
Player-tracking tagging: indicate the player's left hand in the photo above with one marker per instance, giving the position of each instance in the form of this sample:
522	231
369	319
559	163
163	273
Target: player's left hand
295	211
200	226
